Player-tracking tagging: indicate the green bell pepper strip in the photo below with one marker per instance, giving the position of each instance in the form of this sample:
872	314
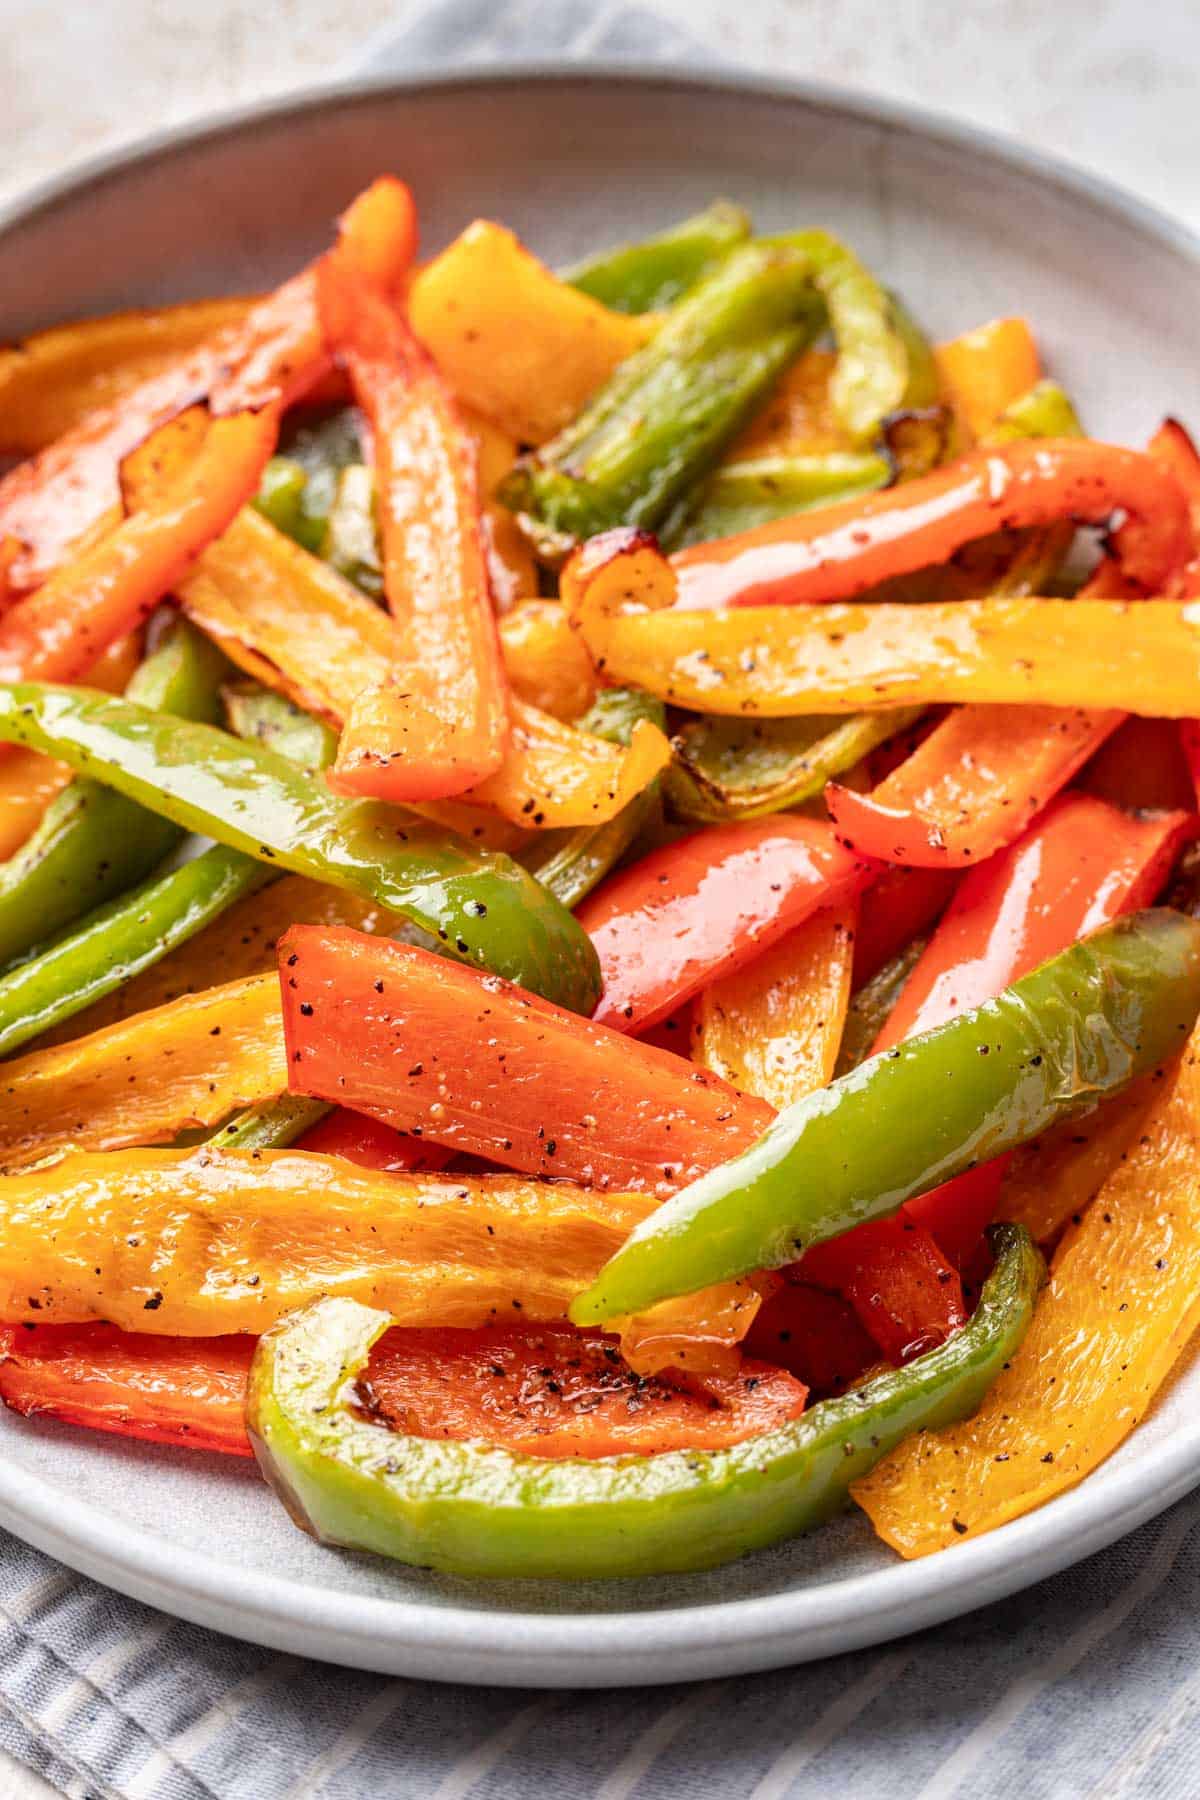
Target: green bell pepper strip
666	414
280	498
1044	410
264	717
728	768
468	1508
299	485
351	541
872	1003
572	863
483	908
1082	1025
654	274
119	940
91	843
271	1125
756	489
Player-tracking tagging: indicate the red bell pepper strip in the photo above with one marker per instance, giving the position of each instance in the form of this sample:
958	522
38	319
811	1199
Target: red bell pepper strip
371	1144
1173	447
481	1066
813	1334
898	906
971	787
841	551
705	906
905	1293
108	590
168	1390
272	358
440	724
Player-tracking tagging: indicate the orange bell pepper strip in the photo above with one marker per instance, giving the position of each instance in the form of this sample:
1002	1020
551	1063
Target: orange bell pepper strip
1122	1305
443	1054
270	360
188	1392
214	1241
986	369
1051	1182
774	1028
439	723
189	1063
703	907
370	1144
842	550
108	590
51	382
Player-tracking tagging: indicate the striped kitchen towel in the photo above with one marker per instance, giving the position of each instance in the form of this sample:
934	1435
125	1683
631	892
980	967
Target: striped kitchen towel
1088	1684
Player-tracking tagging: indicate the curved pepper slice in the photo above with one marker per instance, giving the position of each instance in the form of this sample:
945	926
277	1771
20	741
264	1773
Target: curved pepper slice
472	1509
705	906
1083	1025
655	273
847	548
439	723
369	1144
484	909
984	370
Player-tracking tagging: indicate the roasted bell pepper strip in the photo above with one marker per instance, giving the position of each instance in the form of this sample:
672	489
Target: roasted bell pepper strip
1173	447
51	382
213	1241
1044	410
773	1028
844	549
899	905
705	906
351	539
972	786
667	413
1142	767
746	769
295	625
814	1335
904	1291
484	909
120	939
439	724
265	718
797	418
985	370
515	343
270	360
774	661
1083	1025
370	1144
744	494
273	1124
1050	1183
482	1067
872	1002
111	588
654	274
93	844
1122	1305
547	666
189	1392
472	1509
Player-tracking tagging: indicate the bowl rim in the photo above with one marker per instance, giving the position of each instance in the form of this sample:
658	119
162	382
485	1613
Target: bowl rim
511	1646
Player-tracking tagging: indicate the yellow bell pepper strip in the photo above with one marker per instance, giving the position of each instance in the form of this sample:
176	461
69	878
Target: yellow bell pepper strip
439	723
654	274
663	419
985	370
273	358
846	548
1085	1024
471	1508
797	418
111	588
209	1241
1051	1182
770	662
514	342
511	562
1122	1305
51	382
482	908
546	663
295	625
745	769
703	907
190	1063
774	1028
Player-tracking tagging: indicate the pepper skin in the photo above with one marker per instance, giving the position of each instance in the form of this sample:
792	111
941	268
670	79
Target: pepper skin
484	909
652	275
705	906
475	1510
1083	1025
841	551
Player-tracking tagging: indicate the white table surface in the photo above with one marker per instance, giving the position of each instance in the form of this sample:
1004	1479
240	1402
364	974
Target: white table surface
1111	84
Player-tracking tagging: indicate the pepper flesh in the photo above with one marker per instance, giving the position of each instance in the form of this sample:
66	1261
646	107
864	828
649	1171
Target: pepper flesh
471	1509
847	548
654	274
1084	1024
439	724
704	906
484	909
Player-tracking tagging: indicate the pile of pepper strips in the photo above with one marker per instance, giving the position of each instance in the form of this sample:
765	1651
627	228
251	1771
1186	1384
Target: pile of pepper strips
683	824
